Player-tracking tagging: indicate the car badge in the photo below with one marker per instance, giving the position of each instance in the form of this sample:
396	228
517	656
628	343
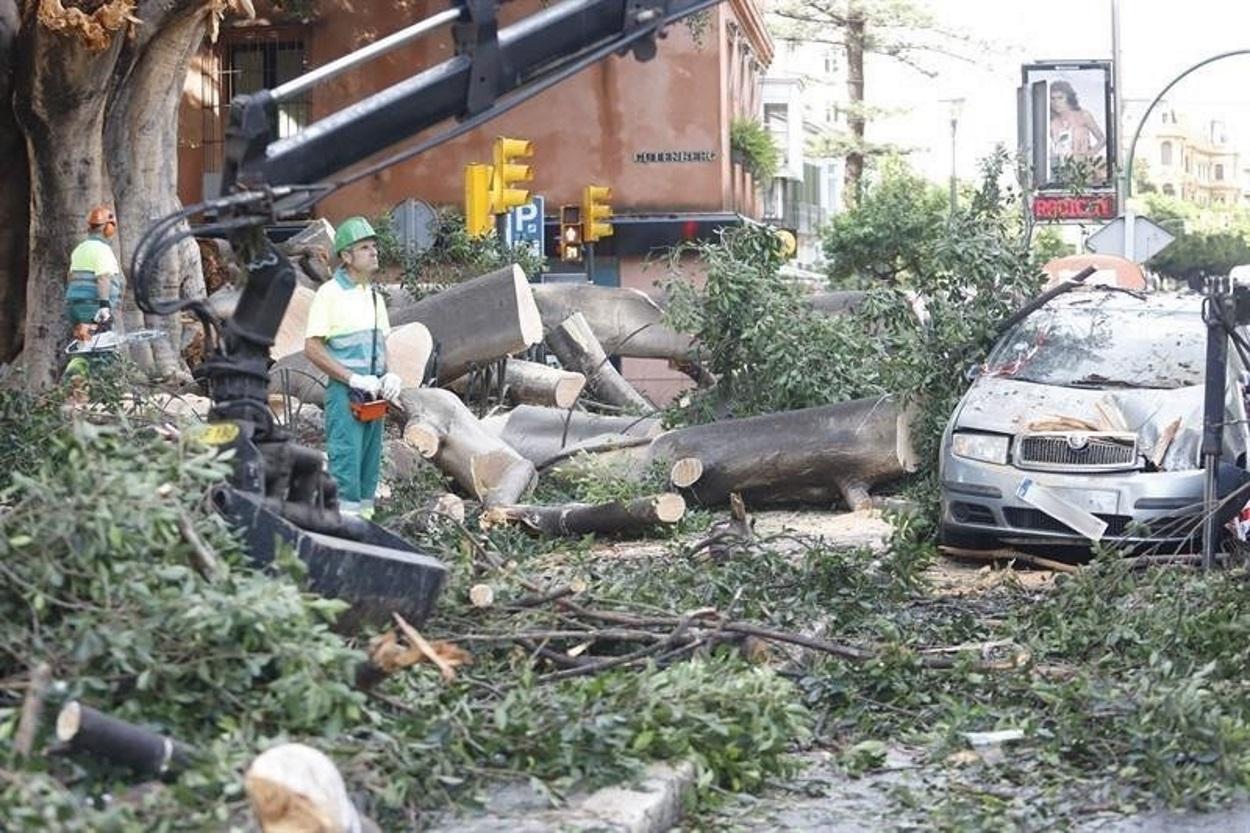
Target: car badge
1078	442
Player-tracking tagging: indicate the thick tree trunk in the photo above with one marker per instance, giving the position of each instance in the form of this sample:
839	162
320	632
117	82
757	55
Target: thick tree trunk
855	43
538	434
14	196
407	353
477	321
626	322
578	349
291	332
444	431
60	98
531	383
850	446
141	143
637	516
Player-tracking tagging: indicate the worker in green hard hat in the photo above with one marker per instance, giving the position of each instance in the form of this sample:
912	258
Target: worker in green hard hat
346	339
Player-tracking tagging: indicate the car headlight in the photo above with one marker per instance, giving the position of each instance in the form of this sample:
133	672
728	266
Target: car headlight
990	448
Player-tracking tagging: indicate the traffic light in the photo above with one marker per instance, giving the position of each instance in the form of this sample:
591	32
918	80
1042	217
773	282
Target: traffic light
595	212
570	232
787	243
477	218
507	172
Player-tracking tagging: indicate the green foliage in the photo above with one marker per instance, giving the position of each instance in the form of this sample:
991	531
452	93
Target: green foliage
1209	240
772	352
1048	244
453	257
757	147
894	232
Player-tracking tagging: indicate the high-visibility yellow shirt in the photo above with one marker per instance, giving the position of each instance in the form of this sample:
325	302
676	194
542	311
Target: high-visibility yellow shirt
352	319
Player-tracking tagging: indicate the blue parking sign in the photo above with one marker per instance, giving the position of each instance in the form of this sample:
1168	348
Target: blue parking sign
525	226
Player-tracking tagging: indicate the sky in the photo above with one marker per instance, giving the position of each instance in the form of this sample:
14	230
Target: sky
1158	40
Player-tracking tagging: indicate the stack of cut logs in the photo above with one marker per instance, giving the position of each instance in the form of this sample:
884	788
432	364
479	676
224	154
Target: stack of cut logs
456	343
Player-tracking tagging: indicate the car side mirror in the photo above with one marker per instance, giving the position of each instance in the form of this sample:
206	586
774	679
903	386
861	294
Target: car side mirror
973	372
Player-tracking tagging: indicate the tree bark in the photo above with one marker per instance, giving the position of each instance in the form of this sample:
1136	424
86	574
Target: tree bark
407	353
440	426
531	383
477	321
539	434
578	349
14	196
626	322
572	519
59	100
141	143
855	42
851	446
142	750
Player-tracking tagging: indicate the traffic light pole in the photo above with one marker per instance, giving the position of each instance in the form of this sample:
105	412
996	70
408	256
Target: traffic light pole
590	262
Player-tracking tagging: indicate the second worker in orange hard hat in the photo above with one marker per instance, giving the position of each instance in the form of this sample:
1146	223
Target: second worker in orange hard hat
93	291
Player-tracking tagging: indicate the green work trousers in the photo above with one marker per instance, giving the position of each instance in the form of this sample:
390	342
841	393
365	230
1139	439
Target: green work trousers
355	451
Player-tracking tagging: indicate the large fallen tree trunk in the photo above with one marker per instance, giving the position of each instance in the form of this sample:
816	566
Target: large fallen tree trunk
439	425
476	321
811	455
626	321
575	345
539	434
633	517
408	350
290	336
531	383
852	446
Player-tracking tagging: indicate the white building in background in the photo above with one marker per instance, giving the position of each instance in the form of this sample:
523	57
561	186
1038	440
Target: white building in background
1195	160
799	100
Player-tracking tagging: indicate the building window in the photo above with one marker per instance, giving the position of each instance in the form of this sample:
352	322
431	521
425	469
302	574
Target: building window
1168	190
1165	153
262	65
1219	171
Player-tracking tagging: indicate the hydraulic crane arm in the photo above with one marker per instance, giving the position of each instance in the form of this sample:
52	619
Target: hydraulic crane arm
536	52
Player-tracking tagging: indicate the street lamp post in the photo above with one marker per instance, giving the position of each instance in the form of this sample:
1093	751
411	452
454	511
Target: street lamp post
956	107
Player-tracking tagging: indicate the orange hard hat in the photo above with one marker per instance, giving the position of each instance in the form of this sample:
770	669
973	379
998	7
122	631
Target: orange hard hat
101	215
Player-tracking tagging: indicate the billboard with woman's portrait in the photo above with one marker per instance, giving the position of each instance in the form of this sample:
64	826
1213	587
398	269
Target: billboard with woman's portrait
1071	118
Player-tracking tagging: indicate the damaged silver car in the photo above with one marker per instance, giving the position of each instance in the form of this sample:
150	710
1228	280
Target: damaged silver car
1085	424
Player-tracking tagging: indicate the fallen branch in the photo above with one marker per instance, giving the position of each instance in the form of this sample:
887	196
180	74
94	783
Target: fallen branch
32	710
142	750
202	557
578	350
574	519
1009	555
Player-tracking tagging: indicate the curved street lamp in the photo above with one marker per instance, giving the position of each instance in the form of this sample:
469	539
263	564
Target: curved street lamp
1128	167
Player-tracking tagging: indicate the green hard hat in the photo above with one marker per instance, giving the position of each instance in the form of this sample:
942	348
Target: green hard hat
350	231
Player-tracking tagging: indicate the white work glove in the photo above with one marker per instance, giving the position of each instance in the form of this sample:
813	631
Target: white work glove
390	385
103	315
369	384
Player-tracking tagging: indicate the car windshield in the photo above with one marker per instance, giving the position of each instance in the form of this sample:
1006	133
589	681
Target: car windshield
1104	347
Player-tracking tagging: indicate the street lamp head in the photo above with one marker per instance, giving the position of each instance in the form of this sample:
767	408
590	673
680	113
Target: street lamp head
956	106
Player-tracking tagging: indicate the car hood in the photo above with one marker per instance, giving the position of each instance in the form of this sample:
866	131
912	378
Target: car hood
1008	406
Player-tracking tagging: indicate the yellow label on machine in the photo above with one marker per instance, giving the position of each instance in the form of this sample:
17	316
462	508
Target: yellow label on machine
215	433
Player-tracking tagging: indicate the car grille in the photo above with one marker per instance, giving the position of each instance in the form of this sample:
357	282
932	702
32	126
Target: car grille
1065	452
1166	528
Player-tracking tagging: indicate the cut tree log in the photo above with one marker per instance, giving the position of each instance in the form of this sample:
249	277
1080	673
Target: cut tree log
577	348
294	788
142	750
572	519
477	321
850	445
538	434
627	322
408	349
443	429
531	383
290	336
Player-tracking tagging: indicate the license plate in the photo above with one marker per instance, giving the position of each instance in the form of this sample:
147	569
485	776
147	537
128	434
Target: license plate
1098	501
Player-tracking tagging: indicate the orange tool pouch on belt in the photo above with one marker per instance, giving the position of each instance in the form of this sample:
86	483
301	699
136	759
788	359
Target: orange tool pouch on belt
363	408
